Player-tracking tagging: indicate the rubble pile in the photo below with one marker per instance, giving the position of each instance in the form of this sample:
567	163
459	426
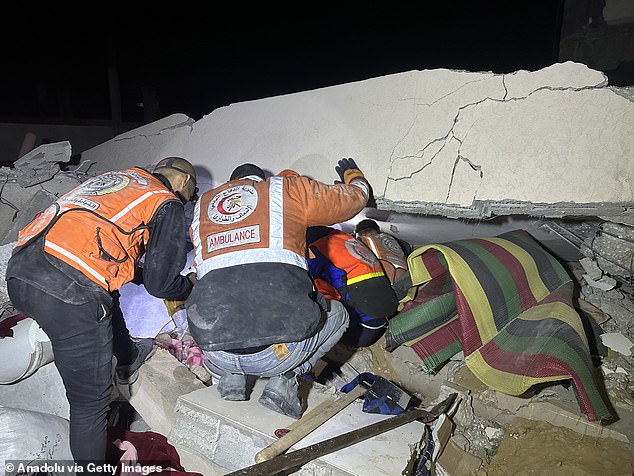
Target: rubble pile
484	419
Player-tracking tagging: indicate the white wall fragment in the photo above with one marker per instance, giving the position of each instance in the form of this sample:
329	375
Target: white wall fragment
617	342
605	283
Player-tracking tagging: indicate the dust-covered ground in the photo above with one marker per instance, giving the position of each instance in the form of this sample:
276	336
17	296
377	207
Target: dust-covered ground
539	448
518	446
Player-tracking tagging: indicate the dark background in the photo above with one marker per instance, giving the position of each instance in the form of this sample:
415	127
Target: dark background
174	58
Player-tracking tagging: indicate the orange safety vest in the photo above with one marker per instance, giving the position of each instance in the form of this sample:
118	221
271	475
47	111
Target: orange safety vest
389	252
245	221
348	254
100	227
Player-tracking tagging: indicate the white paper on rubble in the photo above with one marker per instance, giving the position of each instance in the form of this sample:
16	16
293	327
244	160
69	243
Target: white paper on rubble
144	314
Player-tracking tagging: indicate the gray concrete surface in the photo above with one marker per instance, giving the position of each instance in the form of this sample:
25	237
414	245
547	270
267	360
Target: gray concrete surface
230	434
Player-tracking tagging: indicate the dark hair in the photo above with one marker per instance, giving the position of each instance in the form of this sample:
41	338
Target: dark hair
245	170
367	224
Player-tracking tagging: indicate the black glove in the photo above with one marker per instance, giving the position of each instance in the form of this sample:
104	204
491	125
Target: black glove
348	170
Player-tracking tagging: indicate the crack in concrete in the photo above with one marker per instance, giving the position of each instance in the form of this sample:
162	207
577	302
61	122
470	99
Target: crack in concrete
439	139
452	92
556	88
138	136
460	158
421	152
419	155
450	132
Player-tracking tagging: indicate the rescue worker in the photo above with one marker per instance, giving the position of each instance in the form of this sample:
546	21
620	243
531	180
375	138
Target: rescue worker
68	264
392	254
346	270
254	309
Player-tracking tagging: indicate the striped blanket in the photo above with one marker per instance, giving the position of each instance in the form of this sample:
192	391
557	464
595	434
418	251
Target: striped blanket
505	302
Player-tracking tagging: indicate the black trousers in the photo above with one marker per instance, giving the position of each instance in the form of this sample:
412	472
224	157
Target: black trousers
82	342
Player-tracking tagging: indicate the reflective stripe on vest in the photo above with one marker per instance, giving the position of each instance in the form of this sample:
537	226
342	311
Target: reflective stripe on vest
138	201
275	253
78	261
363	277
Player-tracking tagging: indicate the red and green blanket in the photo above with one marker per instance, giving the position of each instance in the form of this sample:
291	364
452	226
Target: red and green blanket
505	302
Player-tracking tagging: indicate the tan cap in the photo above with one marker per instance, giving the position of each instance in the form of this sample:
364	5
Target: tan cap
176	163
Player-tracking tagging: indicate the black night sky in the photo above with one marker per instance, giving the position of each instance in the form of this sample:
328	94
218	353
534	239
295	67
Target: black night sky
198	61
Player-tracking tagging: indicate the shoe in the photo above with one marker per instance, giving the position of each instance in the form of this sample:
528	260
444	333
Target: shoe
281	395
233	387
128	374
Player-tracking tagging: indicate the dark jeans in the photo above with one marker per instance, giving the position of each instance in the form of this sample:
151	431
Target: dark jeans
358	336
82	341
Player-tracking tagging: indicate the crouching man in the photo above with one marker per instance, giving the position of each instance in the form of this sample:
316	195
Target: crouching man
254	309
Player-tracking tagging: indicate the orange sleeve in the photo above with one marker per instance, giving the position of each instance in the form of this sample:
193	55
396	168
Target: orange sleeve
288	173
326	289
326	204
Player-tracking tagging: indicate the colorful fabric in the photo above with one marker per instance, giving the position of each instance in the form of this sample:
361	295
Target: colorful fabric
507	304
145	452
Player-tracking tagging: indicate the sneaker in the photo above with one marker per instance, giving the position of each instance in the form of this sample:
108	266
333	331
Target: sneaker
128	374
281	395
233	387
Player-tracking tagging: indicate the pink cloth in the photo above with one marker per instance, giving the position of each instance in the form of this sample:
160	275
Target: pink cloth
185	351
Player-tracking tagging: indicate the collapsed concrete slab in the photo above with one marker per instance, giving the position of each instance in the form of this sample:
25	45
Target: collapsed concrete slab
42	163
34	182
553	142
229	434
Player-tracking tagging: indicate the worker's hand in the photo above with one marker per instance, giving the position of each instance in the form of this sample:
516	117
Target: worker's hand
173	306
348	170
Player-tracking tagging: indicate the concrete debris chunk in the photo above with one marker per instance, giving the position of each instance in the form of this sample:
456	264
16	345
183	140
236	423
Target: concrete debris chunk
38	202
617	342
614	249
605	283
41	164
591	268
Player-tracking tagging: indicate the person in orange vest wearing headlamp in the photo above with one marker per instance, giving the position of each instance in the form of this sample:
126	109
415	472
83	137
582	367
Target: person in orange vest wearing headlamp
344	269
